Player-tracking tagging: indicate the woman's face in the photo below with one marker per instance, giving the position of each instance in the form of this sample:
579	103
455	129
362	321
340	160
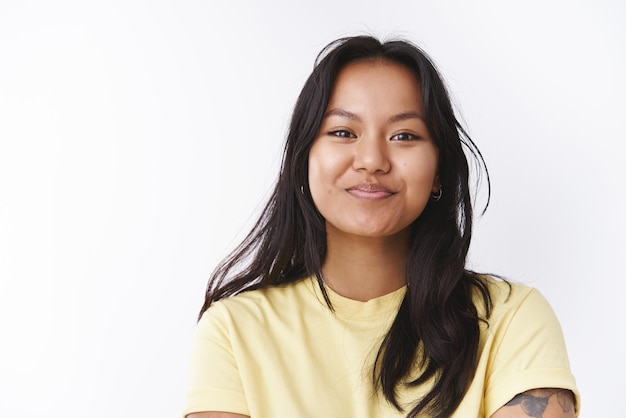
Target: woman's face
373	164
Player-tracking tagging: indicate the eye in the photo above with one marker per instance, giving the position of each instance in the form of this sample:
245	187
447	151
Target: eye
405	136
342	133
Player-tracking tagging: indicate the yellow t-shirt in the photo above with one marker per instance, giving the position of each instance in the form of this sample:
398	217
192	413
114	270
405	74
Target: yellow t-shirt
280	352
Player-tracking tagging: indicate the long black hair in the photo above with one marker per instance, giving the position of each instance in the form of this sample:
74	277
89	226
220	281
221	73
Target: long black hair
436	329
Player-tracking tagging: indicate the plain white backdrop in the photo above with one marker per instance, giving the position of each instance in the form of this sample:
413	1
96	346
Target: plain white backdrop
138	139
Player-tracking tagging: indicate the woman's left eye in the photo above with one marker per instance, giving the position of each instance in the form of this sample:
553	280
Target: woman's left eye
405	136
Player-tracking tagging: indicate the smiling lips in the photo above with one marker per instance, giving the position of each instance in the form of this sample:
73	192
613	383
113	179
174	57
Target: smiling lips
369	191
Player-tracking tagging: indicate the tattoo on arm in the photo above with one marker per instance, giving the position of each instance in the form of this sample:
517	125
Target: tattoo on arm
534	402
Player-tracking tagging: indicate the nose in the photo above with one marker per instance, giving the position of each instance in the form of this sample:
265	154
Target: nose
371	155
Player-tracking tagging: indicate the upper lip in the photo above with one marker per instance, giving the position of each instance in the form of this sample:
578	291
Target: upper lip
371	187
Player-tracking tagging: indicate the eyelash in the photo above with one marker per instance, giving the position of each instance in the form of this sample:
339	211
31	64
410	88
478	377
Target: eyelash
409	137
342	133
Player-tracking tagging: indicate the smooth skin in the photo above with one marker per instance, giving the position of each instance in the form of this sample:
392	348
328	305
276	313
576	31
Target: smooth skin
372	169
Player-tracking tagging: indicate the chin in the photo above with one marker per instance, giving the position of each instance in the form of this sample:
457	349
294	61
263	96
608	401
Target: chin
367	231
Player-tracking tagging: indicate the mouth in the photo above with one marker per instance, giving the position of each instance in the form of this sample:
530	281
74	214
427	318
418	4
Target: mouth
370	191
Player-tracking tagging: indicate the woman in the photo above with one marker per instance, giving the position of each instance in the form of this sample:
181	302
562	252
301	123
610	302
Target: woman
350	297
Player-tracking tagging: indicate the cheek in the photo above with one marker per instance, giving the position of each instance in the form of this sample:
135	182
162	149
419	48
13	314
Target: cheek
325	173
314	168
319	184
325	166
316	175
420	168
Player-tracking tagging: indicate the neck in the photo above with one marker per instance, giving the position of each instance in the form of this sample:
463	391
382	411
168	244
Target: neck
363	268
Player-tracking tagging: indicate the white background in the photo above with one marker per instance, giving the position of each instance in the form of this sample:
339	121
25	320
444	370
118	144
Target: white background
139	138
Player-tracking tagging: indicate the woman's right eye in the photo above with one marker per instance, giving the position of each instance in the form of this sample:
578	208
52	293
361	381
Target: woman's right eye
342	133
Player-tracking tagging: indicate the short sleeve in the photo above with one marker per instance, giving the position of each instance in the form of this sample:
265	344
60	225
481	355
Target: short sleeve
214	382
529	353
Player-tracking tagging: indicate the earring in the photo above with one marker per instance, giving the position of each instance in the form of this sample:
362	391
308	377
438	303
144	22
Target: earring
302	189
437	197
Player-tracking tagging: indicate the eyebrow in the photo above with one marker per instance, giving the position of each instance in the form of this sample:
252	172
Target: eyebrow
344	114
353	116
406	115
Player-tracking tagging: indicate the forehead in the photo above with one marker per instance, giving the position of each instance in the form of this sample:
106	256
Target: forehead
379	83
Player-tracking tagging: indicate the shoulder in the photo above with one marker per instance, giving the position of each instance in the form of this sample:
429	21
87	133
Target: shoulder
262	304
507	298
522	344
257	317
521	316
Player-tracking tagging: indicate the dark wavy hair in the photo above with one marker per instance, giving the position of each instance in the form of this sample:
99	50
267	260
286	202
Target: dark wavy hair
436	329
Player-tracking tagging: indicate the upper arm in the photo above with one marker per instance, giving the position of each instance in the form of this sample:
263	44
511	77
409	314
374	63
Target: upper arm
528	353
214	379
539	403
216	415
